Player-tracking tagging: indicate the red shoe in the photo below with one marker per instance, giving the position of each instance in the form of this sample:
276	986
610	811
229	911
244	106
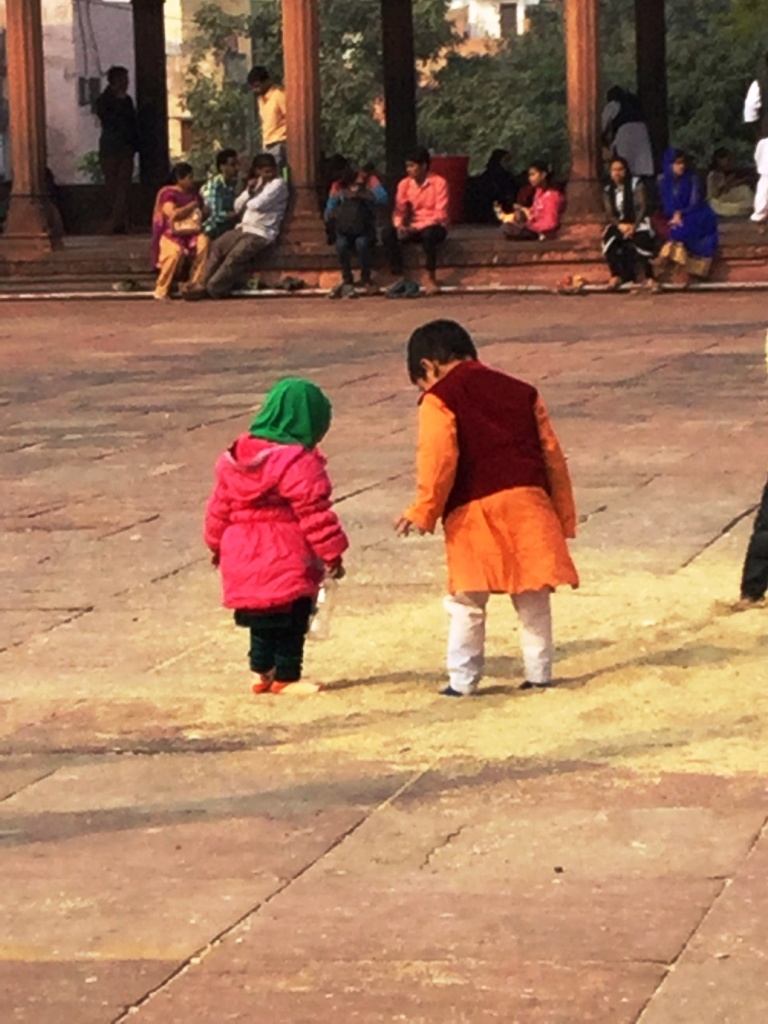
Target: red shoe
298	689
266	679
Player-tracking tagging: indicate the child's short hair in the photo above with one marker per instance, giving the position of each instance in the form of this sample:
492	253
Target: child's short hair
441	341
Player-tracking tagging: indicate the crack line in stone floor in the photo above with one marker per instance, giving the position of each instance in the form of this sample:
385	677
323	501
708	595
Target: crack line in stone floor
371	487
759	834
446	841
27	785
194	959
720	534
79	614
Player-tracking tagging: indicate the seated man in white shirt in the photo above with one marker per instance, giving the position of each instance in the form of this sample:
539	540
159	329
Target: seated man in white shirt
756	113
262	207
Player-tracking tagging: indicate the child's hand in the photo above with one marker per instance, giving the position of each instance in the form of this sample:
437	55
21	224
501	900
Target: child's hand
215	558
336	570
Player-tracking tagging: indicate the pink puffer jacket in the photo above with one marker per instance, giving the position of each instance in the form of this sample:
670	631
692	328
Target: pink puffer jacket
271	521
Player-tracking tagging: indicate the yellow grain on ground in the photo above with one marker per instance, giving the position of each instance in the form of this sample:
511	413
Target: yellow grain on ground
655	673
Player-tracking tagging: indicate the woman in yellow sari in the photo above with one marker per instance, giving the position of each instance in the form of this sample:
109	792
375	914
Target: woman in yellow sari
177	236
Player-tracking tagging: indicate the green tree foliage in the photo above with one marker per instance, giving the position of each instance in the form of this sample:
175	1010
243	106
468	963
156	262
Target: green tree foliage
711	59
513	98
214	96
748	20
350	71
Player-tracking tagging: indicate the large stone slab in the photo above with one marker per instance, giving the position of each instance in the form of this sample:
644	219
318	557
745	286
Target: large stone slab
157	889
731	990
555	921
500	847
468	991
75	992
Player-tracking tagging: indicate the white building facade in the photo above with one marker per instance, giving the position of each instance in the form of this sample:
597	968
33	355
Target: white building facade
494	19
81	40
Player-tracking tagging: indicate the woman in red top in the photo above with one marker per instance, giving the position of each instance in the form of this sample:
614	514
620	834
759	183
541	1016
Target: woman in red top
542	219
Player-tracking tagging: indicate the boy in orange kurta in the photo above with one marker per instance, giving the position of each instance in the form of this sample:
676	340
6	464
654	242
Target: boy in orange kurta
489	465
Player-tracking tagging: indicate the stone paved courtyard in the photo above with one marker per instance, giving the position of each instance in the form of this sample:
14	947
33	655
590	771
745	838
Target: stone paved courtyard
175	850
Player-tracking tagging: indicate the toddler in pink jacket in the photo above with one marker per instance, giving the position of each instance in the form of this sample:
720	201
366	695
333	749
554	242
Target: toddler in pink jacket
272	531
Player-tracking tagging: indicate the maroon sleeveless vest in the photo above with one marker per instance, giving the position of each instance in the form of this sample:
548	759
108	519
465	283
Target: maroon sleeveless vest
499	444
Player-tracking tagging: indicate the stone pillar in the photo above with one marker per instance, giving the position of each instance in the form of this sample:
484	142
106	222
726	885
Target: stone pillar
652	72
28	225
150	89
399	82
583	71
301	45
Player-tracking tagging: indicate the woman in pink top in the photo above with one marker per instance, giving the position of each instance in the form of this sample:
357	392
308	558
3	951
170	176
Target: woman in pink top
541	220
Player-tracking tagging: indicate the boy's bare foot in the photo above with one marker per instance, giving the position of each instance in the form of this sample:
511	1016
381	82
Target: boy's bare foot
614	284
431	288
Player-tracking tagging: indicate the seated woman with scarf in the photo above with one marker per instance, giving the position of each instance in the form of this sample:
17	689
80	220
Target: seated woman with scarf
539	221
692	223
177	236
628	240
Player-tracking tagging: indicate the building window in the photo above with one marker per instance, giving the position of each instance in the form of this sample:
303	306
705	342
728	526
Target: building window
508	15
88	91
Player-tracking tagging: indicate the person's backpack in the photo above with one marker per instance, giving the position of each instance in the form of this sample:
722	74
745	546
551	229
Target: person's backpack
353	216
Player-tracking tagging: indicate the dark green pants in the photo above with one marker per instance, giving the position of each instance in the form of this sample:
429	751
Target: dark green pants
277	639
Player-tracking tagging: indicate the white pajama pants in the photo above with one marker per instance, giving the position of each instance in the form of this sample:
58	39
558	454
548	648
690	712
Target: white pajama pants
761	193
761	200
466	636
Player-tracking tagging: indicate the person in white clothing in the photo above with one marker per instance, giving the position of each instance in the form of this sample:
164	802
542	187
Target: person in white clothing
756	113
625	132
262	207
760	214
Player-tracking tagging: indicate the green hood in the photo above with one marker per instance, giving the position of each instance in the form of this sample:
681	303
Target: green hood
295	411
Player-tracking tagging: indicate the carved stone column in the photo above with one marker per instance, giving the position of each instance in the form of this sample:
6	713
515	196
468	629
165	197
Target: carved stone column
652	71
301	45
151	91
28	226
583	69
399	82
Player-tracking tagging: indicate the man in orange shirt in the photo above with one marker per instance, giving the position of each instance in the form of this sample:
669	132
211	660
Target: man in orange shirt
420	217
270	100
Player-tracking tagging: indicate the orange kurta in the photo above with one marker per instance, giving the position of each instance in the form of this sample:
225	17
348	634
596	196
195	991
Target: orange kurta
508	542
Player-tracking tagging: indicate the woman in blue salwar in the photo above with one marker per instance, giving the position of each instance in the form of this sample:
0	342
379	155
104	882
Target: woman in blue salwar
692	238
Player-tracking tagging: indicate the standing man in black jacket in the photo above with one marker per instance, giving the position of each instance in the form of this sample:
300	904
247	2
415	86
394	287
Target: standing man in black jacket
117	146
754	576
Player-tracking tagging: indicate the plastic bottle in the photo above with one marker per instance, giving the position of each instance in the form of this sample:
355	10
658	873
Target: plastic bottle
320	627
